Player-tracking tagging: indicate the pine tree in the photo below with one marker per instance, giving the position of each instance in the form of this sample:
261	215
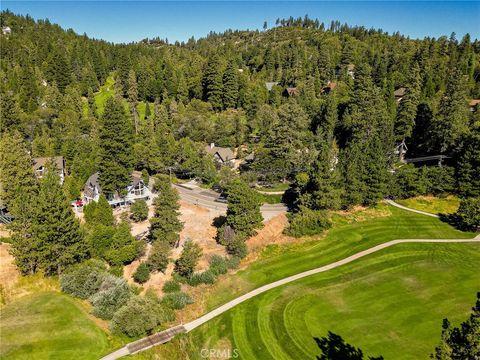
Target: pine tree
186	263
182	88
159	256
407	109
99	212
132	93
243	211
165	225
452	120
9	114
115	142
468	165
323	190
212	82
16	173
56	229
230	86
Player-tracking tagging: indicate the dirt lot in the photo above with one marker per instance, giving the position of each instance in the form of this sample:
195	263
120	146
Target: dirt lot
197	227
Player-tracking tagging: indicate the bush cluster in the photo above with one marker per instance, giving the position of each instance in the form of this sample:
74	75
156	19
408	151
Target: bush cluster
140	315
171	286
307	222
142	274
176	300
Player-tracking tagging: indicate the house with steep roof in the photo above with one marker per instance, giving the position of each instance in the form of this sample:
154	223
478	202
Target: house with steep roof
223	155
269	85
292	91
136	190
40	166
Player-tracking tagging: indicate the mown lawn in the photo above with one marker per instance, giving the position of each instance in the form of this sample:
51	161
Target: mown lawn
433	205
391	303
107	90
348	236
50	325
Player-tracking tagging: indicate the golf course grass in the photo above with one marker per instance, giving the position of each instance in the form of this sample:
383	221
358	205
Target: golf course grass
391	303
49	325
348	236
433	205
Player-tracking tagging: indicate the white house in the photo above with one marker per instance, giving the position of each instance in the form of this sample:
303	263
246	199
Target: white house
6	30
137	189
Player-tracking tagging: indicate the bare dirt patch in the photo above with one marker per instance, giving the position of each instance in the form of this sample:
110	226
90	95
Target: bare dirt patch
8	272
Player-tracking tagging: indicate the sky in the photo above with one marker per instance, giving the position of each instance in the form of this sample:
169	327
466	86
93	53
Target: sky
127	21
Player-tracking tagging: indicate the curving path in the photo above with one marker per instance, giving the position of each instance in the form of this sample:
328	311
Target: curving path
393	203
138	346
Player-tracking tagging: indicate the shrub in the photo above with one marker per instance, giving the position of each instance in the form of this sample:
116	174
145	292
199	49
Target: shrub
218	265
176	300
114	292
237	248
467	216
206	277
141	315
307	222
135	318
116	270
142	274
83	280
139	210
171	286
233	262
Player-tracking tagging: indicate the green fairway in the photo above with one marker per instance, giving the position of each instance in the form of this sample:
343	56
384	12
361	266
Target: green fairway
346	238
391	303
433	205
49	325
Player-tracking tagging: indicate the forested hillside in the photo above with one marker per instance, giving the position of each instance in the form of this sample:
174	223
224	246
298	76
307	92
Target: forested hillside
338	101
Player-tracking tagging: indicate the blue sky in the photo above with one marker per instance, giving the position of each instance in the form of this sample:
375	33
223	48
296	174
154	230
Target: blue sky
126	21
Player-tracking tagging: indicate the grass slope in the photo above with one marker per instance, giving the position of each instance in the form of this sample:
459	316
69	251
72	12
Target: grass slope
347	237
390	303
433	205
49	325
396	288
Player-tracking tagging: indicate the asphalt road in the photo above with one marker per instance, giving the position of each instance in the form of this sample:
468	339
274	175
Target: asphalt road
206	198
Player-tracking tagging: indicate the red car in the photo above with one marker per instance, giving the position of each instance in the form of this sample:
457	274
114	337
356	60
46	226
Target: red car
77	203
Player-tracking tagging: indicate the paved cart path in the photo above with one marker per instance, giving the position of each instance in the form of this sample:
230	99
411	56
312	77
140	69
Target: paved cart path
149	341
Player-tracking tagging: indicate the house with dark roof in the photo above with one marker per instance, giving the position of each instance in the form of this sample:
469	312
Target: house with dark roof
223	155
136	190
40	166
